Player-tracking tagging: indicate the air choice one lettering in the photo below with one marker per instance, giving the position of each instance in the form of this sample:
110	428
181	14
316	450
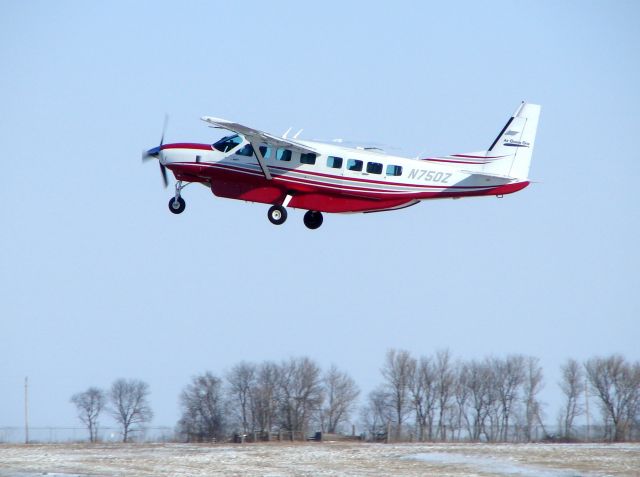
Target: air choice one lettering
429	176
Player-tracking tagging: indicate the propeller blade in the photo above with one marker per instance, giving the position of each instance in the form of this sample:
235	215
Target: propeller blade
154	153
165	181
147	155
164	129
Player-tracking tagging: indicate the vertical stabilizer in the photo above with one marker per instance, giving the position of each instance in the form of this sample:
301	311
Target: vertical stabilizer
513	147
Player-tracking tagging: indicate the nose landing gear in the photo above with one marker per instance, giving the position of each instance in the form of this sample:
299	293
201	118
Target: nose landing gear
177	206
177	203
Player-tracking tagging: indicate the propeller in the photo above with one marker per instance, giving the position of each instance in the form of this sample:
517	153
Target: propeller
154	153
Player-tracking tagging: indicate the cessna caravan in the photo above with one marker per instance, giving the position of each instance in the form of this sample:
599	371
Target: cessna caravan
319	177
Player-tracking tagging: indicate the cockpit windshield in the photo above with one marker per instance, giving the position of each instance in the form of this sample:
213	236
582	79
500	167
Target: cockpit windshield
228	143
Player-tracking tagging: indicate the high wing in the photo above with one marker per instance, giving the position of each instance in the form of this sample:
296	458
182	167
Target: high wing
256	137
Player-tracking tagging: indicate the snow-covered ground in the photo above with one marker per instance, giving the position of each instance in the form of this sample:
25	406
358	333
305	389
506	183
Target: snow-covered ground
321	459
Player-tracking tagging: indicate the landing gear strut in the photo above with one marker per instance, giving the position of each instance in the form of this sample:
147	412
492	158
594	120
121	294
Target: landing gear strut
277	214
313	219
177	203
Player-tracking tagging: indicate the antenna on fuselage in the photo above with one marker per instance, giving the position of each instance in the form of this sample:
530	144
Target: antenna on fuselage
295	136
286	133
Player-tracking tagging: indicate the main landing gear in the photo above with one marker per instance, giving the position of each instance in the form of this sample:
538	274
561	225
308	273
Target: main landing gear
177	203
277	215
312	219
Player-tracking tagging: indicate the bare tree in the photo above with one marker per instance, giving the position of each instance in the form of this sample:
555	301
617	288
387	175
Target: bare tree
421	387
89	405
300	395
572	386
509	376
264	398
444	389
617	385
533	384
203	409
377	413
397	371
479	380
241	381
129	404
341	393
461	398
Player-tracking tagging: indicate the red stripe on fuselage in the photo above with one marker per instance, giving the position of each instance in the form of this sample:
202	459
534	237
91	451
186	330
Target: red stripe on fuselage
476	157
343	179
449	161
187	145
487	159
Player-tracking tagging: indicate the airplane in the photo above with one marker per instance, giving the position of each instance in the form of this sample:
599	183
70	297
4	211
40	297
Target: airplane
320	177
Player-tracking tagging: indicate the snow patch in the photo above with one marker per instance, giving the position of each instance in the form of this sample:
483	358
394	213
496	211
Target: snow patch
493	465
39	474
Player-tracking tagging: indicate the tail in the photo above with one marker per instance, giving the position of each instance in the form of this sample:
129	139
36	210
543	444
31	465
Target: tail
510	153
509	156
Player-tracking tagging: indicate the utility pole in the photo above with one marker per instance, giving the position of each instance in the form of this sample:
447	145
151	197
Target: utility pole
586	401
26	410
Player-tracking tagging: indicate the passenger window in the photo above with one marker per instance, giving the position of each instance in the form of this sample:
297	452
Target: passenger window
308	158
334	162
374	167
283	154
354	165
266	152
247	150
394	170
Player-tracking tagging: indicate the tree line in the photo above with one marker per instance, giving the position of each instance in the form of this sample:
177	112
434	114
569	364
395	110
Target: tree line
426	398
126	400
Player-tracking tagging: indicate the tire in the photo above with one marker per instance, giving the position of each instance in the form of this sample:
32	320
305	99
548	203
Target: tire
313	219
177	206
277	214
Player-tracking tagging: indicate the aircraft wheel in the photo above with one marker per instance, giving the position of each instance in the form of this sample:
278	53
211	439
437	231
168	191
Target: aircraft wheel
277	214
177	206
313	219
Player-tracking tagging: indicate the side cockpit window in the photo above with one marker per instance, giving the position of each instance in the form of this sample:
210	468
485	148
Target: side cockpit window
247	151
228	143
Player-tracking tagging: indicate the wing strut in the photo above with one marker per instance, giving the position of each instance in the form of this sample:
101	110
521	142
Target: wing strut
263	165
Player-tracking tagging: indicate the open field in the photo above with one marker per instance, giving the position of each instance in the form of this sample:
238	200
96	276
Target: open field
322	459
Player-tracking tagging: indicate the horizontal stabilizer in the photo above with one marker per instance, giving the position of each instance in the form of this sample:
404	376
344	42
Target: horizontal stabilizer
487	176
485	179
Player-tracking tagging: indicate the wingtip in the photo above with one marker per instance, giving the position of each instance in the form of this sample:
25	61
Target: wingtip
211	119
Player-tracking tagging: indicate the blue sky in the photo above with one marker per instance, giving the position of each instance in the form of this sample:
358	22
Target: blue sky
99	281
